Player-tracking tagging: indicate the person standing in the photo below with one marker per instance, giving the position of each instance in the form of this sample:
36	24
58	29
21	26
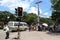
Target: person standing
29	28
6	29
38	28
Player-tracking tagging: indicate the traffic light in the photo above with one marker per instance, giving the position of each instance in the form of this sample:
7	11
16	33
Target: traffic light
16	11
20	9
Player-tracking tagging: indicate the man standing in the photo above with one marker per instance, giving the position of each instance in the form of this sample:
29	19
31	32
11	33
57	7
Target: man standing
6	29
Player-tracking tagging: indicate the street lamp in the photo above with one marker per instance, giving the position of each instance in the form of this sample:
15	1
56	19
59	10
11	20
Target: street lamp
38	10
8	17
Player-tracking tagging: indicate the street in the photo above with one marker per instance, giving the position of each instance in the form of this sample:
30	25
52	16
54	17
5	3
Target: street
30	20
32	35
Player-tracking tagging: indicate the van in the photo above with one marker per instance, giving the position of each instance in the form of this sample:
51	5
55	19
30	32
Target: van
13	25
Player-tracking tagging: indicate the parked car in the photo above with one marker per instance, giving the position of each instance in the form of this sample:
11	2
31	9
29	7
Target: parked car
13	25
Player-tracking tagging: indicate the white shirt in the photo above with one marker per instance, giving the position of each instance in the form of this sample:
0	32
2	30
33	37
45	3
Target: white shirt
6	28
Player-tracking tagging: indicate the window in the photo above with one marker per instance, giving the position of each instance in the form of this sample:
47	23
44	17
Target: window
10	24
21	24
16	24
25	24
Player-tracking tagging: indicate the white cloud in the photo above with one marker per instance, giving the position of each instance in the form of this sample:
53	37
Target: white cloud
47	17
26	4
46	14
11	4
34	10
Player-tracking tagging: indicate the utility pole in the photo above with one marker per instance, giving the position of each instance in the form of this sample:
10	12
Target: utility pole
38	10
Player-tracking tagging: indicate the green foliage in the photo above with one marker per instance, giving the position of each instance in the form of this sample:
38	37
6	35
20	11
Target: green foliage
53	1
56	14
55	4
45	19
1	27
4	16
30	18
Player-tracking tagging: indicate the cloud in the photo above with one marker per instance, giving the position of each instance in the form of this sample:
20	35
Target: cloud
26	4
47	17
46	14
34	10
11	4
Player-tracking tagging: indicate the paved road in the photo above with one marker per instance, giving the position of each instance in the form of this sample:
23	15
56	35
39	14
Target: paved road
12	35
33	35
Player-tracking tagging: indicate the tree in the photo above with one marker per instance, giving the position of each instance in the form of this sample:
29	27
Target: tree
4	16
30	18
56	10
56	16
56	5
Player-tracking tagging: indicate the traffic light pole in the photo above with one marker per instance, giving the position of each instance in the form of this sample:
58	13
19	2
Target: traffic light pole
19	19
18	25
18	12
19	28
18	33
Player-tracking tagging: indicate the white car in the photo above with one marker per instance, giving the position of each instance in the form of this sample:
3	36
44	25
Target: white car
13	25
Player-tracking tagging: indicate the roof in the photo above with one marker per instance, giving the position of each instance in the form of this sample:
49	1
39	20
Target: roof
17	22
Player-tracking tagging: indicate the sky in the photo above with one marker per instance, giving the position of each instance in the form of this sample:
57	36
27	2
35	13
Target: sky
29	6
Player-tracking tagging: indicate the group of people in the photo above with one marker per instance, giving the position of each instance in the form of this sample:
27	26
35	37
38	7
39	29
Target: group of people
38	28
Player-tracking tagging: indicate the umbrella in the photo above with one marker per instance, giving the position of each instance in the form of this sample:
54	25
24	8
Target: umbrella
44	24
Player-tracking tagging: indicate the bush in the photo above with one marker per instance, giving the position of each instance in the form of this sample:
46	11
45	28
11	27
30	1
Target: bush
1	27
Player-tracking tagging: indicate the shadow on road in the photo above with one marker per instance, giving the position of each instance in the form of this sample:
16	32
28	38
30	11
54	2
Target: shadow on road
16	31
53	33
15	38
